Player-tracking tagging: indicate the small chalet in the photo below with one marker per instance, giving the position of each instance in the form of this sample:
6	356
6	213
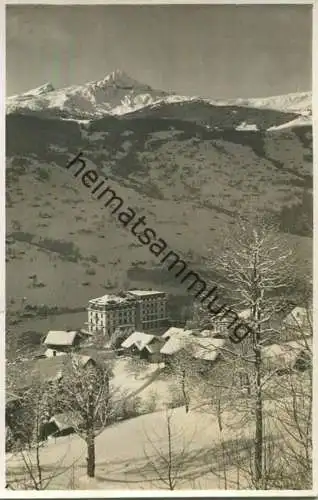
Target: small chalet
60	424
200	347
176	332
176	342
293	355
299	321
207	349
145	345
61	342
245	314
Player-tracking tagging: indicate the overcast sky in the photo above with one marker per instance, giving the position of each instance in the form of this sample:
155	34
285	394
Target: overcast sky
211	50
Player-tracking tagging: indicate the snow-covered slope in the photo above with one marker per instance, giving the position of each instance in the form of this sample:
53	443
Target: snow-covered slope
38	91
301	121
117	93
299	102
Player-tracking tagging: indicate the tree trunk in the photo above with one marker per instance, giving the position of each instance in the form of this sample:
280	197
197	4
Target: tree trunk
184	392
258	426
258	461
257	335
38	468
90	456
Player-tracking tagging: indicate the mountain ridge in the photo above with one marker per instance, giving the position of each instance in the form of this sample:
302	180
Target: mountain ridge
119	94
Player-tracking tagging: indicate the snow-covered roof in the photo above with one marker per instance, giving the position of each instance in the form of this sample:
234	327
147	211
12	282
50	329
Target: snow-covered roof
198	347
206	349
64	421
139	339
174	331
299	317
285	354
211	333
175	344
245	313
60	337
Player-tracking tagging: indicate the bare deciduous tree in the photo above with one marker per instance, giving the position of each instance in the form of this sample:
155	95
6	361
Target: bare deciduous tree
183	368
86	396
256	269
257	266
168	456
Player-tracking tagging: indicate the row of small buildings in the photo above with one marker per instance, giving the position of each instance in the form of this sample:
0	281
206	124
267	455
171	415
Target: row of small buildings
140	319
141	309
157	345
146	310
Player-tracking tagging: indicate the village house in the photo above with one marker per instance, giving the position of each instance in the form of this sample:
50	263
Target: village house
299	322
245	314
292	355
200	345
284	328
61	342
174	331
146	346
207	349
59	425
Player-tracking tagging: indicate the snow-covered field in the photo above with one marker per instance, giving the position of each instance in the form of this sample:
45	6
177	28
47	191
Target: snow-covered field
205	449
124	453
148	383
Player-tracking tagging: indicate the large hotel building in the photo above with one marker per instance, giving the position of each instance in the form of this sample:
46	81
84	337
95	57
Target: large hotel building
141	309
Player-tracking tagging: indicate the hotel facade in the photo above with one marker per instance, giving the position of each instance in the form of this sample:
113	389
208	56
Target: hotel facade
140	309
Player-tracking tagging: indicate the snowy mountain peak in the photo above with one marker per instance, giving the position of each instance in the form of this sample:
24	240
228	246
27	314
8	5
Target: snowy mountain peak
121	80
118	76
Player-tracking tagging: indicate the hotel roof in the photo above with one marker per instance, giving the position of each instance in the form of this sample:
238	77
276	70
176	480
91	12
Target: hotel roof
143	293
110	299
